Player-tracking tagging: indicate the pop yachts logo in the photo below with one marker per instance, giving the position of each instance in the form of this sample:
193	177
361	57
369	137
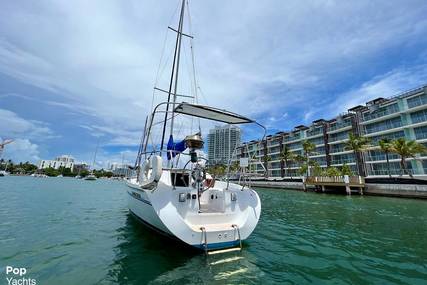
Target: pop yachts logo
16	276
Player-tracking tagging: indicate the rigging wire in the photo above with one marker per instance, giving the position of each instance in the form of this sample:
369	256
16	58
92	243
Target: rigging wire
190	28
189	70
160	70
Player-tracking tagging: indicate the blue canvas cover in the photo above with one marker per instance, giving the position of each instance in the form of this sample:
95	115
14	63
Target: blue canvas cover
175	147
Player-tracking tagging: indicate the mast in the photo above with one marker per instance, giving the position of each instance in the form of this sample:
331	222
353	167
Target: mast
140	150
174	75
94	157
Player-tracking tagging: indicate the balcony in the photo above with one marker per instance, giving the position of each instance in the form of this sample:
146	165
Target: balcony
379	157
343	158
293	137
315	132
391	136
338	137
274	142
418	117
421	133
417	101
339	125
383	126
381	112
317	141
337	148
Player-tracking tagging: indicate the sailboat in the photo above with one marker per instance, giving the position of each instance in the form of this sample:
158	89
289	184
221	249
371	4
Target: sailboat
4	172
2	145
91	176
173	193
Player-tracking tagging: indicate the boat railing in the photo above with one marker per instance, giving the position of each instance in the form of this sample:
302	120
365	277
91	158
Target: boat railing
161	151
245	173
148	154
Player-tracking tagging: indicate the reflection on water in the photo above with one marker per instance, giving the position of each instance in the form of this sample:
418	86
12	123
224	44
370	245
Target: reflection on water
143	255
230	268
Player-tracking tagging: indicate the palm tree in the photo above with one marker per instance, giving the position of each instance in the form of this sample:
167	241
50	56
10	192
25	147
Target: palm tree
267	158
235	166
308	147
407	149
386	146
302	161
357	144
287	156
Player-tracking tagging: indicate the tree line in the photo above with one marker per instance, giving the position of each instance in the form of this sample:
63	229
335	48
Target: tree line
404	148
28	168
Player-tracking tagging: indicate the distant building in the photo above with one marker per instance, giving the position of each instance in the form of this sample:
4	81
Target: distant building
122	170
66	161
80	166
222	141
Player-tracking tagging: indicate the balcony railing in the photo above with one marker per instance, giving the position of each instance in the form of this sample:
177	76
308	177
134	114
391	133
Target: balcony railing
315	132
338	137
382	157
421	133
386	125
342	161
384	111
418	117
417	101
339	125
292	138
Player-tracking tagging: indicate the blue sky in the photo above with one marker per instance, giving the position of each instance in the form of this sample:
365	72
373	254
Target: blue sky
75	72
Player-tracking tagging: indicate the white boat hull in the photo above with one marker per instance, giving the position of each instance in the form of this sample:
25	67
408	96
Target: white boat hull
226	222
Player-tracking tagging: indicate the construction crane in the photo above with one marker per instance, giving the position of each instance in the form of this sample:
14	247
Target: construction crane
2	144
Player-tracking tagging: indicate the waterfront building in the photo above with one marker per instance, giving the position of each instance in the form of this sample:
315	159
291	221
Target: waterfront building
122	170
400	116
80	166
222	141
66	161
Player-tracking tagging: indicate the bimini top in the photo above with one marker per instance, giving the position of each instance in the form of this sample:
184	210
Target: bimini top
211	113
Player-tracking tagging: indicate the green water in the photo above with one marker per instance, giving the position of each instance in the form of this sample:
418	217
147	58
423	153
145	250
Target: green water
68	231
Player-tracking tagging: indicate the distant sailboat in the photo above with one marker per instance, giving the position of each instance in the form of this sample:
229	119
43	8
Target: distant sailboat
2	145
91	175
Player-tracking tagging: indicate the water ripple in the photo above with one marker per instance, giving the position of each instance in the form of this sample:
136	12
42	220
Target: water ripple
64	233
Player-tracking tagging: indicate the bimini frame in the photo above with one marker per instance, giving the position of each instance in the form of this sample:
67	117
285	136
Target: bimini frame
200	111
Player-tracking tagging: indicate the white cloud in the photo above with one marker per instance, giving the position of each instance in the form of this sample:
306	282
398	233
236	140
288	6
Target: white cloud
14	126
251	57
21	150
105	159
386	85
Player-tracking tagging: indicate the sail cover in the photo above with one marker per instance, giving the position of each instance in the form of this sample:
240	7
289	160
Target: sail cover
175	147
211	113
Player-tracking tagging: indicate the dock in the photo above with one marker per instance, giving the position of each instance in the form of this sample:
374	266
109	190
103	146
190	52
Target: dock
345	181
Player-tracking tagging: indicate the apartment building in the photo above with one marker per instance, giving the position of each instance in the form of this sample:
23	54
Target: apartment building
403	115
66	161
222	141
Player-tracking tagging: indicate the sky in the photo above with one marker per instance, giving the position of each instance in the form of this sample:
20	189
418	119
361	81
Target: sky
74	74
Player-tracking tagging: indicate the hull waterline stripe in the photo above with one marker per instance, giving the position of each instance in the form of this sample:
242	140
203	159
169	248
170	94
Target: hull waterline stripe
218	245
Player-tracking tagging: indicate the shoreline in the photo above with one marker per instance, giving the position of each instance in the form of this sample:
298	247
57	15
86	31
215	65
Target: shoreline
414	191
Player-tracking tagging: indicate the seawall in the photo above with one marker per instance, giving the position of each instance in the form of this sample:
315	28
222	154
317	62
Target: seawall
397	190
378	189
